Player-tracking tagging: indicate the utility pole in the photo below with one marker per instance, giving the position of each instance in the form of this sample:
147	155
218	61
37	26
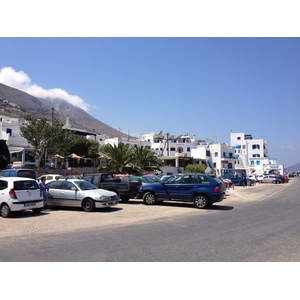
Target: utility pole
52	115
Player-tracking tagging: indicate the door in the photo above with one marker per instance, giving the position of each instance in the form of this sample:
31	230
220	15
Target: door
67	195
189	184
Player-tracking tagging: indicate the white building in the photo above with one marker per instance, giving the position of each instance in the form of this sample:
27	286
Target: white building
174	151
254	154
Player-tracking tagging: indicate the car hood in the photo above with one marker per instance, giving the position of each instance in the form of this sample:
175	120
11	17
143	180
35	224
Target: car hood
101	192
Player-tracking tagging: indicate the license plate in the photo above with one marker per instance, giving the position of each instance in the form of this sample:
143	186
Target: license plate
29	204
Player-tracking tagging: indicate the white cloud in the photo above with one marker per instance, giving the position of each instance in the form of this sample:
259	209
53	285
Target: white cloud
21	81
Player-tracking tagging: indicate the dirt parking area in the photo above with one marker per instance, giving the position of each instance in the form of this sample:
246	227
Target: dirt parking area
134	212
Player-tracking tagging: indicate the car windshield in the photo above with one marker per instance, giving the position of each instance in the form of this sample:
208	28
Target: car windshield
85	185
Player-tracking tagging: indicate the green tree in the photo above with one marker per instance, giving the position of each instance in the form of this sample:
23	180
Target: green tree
120	157
85	147
196	168
46	138
145	159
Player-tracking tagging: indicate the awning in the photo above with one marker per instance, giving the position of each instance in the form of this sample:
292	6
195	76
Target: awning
15	149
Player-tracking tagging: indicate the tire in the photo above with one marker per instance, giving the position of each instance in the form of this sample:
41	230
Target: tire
149	198
201	201
37	211
5	211
88	205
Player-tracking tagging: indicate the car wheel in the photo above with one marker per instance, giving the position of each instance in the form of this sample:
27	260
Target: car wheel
201	201
5	211
149	198
88	205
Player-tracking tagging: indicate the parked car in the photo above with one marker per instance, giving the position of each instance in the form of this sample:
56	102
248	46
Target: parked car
260	178
108	182
79	193
285	178
271	178
50	177
28	173
133	183
201	189
18	193
154	177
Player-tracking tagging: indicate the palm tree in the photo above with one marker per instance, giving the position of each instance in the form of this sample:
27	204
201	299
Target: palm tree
145	159
120	157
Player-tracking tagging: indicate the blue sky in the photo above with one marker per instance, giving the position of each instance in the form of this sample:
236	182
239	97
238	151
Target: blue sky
205	69
206	87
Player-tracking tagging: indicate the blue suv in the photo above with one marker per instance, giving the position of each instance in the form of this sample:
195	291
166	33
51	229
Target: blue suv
201	189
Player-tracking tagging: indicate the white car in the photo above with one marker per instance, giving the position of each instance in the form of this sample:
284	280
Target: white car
260	178
50	177
79	193
19	193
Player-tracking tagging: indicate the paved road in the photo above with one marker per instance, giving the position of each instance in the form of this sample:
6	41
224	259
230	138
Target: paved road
257	223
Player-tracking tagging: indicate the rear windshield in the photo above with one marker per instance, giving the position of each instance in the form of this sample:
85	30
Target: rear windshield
25	173
25	185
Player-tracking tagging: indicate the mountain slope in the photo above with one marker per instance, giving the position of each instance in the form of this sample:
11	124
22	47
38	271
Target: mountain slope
17	103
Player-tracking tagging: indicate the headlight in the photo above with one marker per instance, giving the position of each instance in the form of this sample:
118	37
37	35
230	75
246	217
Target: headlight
104	198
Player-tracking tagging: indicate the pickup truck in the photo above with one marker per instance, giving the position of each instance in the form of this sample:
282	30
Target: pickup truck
107	181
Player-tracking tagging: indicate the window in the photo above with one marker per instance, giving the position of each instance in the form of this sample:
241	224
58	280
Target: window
258	163
67	185
207	153
216	154
255	146
204	179
3	185
238	138
190	179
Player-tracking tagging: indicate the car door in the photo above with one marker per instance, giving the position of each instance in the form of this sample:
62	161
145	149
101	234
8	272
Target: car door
67	195
53	191
187	187
169	188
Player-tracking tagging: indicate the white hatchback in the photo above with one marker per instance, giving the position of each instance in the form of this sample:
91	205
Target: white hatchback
19	193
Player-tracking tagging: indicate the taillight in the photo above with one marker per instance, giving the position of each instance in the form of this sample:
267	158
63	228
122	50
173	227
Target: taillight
12	194
217	189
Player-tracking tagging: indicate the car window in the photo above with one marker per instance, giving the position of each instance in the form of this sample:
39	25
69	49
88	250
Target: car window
3	184
67	185
88	178
95	180
54	185
204	179
25	185
25	173
173	179
190	179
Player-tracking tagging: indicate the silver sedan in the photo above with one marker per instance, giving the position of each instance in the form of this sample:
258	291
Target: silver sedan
79	193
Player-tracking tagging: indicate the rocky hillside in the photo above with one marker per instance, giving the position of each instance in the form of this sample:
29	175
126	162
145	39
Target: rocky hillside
16	103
